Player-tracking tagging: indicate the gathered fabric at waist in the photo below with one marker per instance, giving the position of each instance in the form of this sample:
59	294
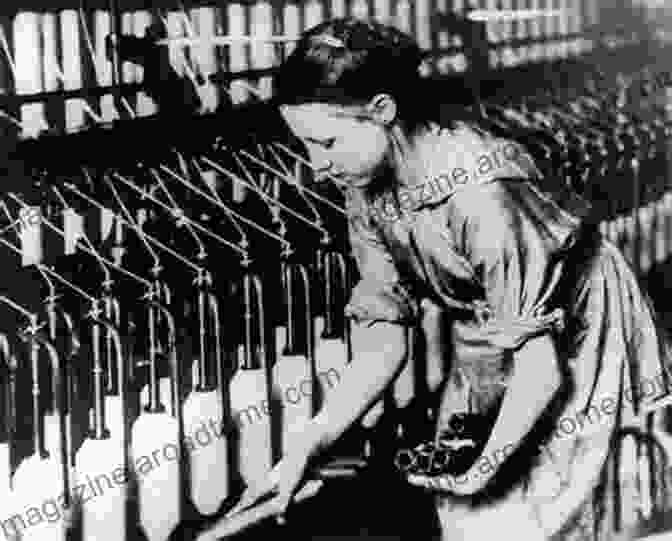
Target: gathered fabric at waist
483	349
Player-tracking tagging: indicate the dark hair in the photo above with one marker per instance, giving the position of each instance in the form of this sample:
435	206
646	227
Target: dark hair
347	61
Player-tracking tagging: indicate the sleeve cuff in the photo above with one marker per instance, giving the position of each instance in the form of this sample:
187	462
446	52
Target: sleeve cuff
511	334
371	302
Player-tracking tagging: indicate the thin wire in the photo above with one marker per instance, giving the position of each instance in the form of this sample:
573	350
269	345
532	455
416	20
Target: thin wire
231	175
40	266
285	178
254	185
288	179
44	269
12	119
186	65
108	275
307	163
146	236
89	44
91	252
178	212
224	40
205	196
138	230
198	226
244	241
8	53
128	107
19	308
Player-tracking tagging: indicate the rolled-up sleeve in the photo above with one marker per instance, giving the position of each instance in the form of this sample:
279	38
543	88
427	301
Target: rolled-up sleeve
514	238
380	295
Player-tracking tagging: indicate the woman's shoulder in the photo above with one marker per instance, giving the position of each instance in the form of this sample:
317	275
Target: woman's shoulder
464	159
475	171
480	154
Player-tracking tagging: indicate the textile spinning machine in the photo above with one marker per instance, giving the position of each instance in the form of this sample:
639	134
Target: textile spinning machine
174	281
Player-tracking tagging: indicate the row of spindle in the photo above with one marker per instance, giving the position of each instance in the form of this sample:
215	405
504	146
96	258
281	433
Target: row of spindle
161	302
65	51
165	332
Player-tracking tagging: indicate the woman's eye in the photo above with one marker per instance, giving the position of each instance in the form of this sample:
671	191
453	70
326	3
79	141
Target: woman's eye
328	143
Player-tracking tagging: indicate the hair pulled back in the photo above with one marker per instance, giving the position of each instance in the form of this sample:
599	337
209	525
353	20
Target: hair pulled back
347	61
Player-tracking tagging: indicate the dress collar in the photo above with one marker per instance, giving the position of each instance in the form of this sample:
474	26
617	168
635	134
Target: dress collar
452	159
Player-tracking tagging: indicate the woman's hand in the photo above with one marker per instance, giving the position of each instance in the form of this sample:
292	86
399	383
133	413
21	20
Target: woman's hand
281	484
283	480
463	485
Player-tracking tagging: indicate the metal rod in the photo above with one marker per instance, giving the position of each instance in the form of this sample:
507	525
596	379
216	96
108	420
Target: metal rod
223	40
137	228
296	183
145	236
207	197
487	15
87	250
261	194
196	225
179	213
117	72
313	193
107	282
244	240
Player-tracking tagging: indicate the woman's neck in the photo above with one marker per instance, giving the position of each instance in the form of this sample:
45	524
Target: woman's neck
410	152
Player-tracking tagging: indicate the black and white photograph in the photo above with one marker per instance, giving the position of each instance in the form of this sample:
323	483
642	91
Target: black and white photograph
323	270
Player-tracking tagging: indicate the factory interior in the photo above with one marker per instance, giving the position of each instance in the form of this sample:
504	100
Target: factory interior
169	262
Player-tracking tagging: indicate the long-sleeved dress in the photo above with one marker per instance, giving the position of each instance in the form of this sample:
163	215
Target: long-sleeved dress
484	240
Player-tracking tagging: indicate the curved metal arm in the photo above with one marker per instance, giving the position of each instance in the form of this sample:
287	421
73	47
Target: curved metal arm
112	309
253	290
299	342
213	304
99	430
170	320
334	318
202	283
6	391
172	354
56	313
310	334
37	341
155	405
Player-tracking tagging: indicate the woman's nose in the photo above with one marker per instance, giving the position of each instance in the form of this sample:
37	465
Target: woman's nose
321	163
318	157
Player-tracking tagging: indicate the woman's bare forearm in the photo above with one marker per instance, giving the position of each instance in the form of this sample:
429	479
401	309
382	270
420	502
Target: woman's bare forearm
379	354
535	380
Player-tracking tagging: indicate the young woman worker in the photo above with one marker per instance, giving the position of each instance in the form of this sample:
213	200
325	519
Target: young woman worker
546	319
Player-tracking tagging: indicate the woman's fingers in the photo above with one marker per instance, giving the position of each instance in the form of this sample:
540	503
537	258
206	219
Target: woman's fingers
257	490
375	412
440	484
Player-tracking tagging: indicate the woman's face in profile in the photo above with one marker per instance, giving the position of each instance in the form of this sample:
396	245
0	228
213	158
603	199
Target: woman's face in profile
344	145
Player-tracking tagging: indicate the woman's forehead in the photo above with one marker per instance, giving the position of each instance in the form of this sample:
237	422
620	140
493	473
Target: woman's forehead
317	120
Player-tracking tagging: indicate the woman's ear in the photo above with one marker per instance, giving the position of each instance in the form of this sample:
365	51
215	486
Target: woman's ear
383	109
